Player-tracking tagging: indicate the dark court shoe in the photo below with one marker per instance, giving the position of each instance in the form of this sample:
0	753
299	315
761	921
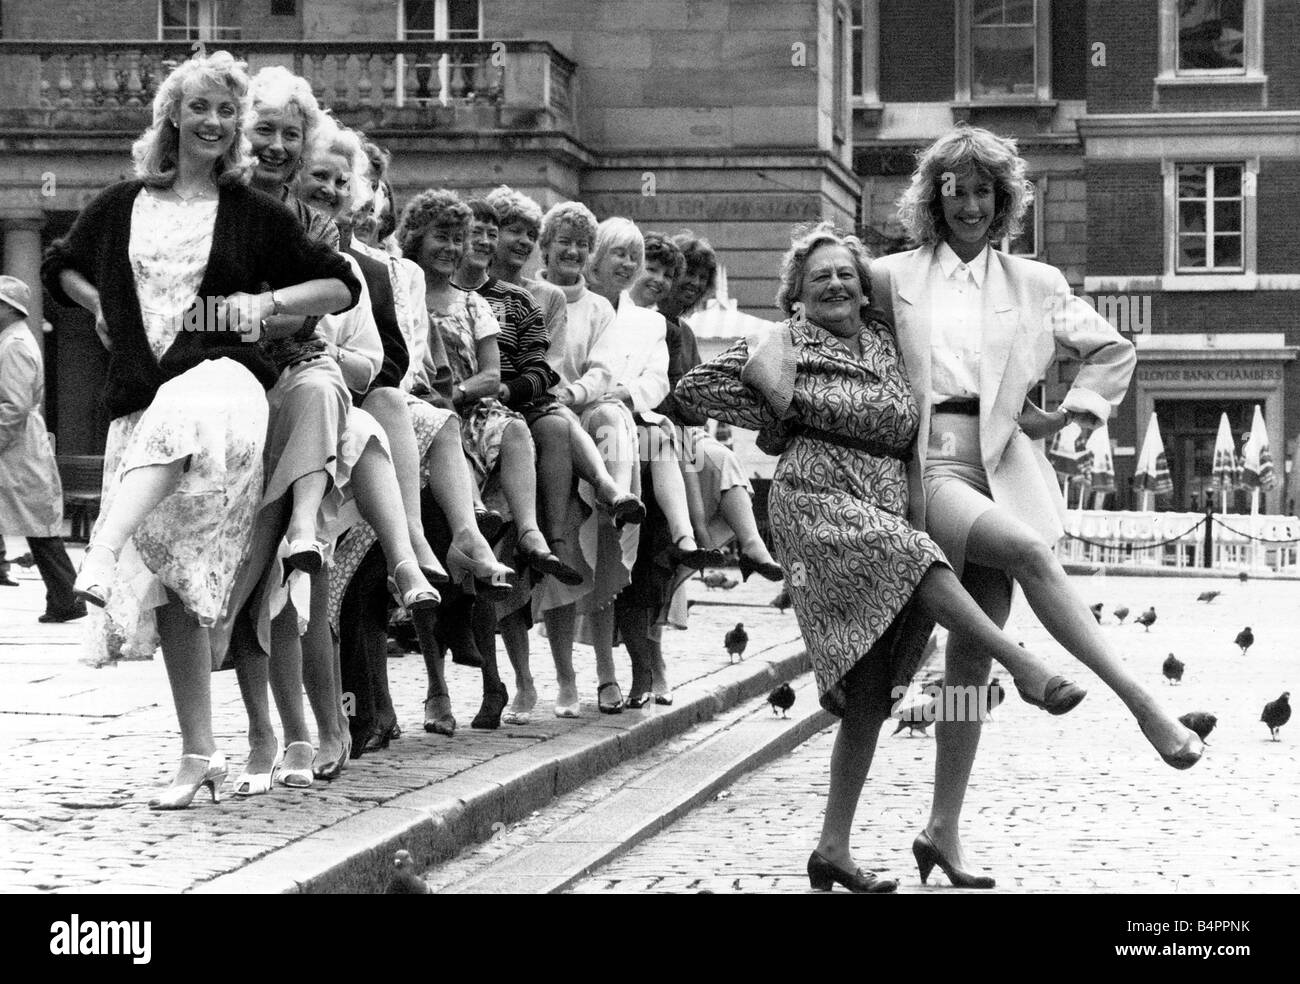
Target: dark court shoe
490	523
927	856
1060	696
637	701
749	565
823	876
64	614
488	717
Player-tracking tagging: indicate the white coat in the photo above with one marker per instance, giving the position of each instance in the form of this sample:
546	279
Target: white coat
31	495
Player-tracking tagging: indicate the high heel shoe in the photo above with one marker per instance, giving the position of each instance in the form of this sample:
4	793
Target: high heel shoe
927	856
493	580
438	718
1059	696
748	566
179	797
299	778
419	598
545	563
305	556
823	876
625	509
488	717
257	783
1184	757
93	580
378	738
696	559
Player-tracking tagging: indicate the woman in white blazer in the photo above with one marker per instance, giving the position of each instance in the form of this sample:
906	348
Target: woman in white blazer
977	329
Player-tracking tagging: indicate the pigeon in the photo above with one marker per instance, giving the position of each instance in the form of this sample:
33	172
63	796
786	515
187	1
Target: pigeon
1147	618
1243	577
1096	611
1277	713
24	561
1202	722
716	579
1245	639
1208	596
736	640
781	699
782	601
995	696
1173	669
1121	613
405	881
922	712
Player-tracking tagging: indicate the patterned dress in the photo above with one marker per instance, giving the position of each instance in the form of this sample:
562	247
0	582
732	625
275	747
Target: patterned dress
839	514
213	417
466	322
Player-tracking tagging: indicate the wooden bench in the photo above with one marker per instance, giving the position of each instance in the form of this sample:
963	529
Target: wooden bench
82	478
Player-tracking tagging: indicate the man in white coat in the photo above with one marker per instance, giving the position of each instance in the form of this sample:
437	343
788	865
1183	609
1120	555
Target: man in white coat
31	495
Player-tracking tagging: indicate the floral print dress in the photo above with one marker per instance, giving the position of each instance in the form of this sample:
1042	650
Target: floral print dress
212	417
839	514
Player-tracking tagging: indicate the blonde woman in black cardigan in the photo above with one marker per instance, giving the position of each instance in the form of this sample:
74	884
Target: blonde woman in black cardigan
180	266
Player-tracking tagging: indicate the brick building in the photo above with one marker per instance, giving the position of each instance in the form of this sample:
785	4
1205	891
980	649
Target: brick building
729	117
1164	140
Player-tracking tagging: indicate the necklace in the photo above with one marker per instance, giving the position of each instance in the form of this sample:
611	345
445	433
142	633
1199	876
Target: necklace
201	193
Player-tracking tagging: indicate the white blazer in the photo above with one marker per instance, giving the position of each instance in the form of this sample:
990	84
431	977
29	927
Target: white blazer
1030	317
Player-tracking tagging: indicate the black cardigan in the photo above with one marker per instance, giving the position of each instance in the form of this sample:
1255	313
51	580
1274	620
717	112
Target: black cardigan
257	244
397	356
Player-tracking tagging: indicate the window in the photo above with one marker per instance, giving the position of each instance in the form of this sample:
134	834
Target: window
198	20
1211	36
1214	42
856	51
839	102
1210	217
441	20
1003	51
1026	244
1002	48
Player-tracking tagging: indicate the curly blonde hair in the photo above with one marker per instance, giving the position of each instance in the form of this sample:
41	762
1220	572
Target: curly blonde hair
514	206
919	208
155	151
275	87
805	242
429	209
332	137
573	214
614	232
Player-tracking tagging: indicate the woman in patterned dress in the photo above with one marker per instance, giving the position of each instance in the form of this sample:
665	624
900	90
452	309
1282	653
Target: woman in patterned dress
171	265
827	391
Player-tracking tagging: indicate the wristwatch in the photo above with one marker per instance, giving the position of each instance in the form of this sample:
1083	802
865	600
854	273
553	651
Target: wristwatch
460	388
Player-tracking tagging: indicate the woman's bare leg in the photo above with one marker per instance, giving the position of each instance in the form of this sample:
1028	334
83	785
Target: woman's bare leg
855	747
738	513
138	492
388	406
379	499
999	541
188	659
518	470
602	641
554	471
589	465
514	634
451	482
560	629
308	491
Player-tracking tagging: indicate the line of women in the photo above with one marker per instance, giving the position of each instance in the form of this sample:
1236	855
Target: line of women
318	408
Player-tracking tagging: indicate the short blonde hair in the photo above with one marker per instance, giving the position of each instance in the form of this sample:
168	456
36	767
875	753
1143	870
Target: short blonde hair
278	88
808	240
331	137
919	208
614	232
155	152
433	208
514	206
573	214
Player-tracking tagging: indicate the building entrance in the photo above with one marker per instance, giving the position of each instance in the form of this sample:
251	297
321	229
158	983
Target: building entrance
1189	428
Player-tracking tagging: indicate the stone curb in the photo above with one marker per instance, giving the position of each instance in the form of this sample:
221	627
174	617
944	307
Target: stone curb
650	802
435	823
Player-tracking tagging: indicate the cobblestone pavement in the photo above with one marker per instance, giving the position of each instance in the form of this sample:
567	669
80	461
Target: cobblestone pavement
1073	804
84	749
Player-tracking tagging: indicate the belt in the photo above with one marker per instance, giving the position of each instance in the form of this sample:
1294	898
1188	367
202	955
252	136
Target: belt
873	448
967	408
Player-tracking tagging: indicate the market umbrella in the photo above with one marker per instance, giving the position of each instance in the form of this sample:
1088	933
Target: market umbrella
1102	473
1069	455
1152	466
1256	460
1226	470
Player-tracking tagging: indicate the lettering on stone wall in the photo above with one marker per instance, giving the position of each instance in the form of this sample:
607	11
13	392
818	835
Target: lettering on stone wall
709	208
1210	374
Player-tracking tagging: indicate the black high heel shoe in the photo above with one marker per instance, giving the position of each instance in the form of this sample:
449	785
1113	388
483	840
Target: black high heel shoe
748	566
696	559
488	717
1060	696
490	524
927	856
545	563
625	509
823	876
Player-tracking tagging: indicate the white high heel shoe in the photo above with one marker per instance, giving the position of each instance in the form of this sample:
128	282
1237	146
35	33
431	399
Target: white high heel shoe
257	783
94	578
177	797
